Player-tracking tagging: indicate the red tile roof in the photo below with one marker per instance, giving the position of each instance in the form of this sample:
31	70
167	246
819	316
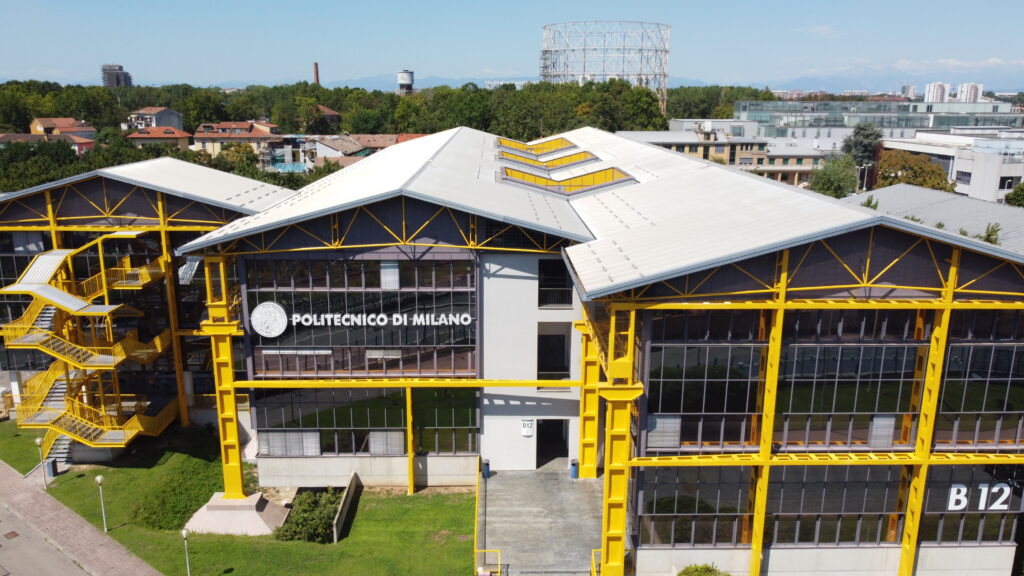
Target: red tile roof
5	138
160	132
65	124
327	111
407	137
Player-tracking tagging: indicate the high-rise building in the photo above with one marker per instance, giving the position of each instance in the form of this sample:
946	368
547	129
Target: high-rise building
969	92
114	75
909	90
936	92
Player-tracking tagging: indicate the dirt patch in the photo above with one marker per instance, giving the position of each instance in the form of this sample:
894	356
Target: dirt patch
282	495
440	536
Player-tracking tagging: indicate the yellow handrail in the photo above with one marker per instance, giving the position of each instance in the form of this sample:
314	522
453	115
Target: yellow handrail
154	425
595	562
48	440
25	323
42	382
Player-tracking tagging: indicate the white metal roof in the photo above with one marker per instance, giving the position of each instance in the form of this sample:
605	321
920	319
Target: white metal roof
183	179
953	211
457	168
678	215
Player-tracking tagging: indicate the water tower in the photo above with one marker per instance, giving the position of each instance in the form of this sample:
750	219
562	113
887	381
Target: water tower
405	80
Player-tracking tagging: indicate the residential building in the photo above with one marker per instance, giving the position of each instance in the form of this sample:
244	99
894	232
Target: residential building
970	92
161	135
332	118
153	116
936	92
777	117
212	137
908	91
748	374
61	126
77	143
788	158
985	163
115	76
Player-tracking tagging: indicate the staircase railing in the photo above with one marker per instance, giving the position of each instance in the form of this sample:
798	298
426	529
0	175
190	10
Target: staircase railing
42	383
48	441
25	323
91	287
134	276
154	425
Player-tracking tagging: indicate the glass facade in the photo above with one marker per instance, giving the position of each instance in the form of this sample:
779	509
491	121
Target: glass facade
357	317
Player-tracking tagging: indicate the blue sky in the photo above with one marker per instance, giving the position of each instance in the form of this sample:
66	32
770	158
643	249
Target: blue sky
868	43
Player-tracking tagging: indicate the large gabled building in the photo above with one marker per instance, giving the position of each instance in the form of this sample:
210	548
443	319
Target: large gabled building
764	378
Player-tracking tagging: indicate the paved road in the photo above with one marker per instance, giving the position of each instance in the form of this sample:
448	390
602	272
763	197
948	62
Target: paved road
65	532
24	552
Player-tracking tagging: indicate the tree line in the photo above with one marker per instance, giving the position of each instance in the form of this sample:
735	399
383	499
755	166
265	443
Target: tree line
527	113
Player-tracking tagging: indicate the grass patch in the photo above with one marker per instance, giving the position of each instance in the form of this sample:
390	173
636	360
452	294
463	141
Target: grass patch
425	534
18	446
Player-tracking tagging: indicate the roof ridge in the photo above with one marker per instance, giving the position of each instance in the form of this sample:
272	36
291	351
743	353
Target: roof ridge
419	171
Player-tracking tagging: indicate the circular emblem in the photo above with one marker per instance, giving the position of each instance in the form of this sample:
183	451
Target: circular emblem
269	319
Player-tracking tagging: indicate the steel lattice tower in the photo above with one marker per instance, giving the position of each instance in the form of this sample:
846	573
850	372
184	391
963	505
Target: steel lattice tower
599	51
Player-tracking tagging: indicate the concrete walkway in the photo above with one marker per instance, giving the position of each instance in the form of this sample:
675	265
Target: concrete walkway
542	521
84	544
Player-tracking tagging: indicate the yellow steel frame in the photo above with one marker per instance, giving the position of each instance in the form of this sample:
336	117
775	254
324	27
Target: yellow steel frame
43	212
950	293
341	226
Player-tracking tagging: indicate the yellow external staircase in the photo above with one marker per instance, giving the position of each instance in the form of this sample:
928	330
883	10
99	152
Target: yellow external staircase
77	395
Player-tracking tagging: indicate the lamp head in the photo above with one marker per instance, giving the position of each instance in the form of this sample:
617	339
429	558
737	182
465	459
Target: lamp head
99	479
184	534
39	442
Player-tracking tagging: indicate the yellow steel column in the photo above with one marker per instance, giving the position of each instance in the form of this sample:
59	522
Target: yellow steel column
618	444
771	386
220	328
926	422
618	448
167	263
907	427
51	219
590	375
410	448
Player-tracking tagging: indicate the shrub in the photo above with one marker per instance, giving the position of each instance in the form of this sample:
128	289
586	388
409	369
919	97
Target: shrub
311	517
702	570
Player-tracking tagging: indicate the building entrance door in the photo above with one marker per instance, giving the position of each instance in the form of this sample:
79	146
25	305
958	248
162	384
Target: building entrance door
552	440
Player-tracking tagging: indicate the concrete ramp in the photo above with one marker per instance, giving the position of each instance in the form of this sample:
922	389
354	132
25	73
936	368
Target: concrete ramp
542	521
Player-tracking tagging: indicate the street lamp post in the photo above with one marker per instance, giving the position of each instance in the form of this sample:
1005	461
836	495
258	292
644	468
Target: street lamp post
184	537
103	507
42	465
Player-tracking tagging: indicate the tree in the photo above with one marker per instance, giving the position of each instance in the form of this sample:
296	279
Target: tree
702	570
863	143
1016	198
900	166
837	178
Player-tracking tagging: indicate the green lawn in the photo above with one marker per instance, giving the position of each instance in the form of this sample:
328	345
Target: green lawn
18	446
425	534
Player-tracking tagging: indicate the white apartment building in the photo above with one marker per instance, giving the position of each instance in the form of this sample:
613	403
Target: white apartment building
985	163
